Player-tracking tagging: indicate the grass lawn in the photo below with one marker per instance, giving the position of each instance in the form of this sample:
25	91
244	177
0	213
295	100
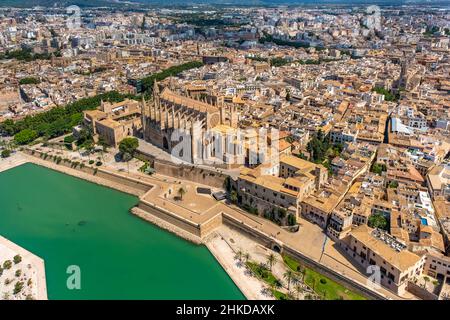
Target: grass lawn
279	295
264	274
322	285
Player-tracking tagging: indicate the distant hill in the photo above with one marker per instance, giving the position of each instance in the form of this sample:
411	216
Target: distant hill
60	3
101	3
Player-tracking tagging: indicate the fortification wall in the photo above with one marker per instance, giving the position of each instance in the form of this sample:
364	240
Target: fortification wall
139	187
185	172
171	218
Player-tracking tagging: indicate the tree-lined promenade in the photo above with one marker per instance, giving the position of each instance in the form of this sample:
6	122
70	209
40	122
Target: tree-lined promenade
60	120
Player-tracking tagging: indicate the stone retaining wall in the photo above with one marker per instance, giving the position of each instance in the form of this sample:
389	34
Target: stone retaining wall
165	225
139	187
185	172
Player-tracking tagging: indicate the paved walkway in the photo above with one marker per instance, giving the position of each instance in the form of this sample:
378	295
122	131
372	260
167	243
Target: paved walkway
251	287
16	159
37	266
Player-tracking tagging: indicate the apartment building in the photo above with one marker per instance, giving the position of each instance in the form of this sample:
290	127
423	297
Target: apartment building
437	265
294	181
373	247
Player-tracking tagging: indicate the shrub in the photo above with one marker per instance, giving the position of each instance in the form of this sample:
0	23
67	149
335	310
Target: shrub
7	264
323	281
6	153
18	287
98	163
17	259
91	161
128	146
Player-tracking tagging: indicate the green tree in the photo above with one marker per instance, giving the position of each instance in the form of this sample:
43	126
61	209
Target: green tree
292	220
239	255
6	153
60	120
102	142
129	145
89	146
127	157
18	287
17	259
7	264
378	168
288	276
378	220
298	286
25	136
29	80
393	184
271	260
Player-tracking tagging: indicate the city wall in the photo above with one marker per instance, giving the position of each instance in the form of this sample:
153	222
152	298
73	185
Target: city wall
185	172
129	184
174	219
421	292
272	243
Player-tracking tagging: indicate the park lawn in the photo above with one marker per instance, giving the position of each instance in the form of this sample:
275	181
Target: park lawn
265	275
330	289
279	295
291	263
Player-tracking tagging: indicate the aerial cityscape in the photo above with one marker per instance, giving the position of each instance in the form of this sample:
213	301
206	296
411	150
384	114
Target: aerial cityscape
247	150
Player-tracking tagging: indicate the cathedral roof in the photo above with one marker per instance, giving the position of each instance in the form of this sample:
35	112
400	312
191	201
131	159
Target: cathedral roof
171	96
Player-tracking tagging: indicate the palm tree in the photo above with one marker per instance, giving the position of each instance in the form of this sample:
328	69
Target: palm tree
89	148
239	254
271	260
288	275
181	192
127	157
298	286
